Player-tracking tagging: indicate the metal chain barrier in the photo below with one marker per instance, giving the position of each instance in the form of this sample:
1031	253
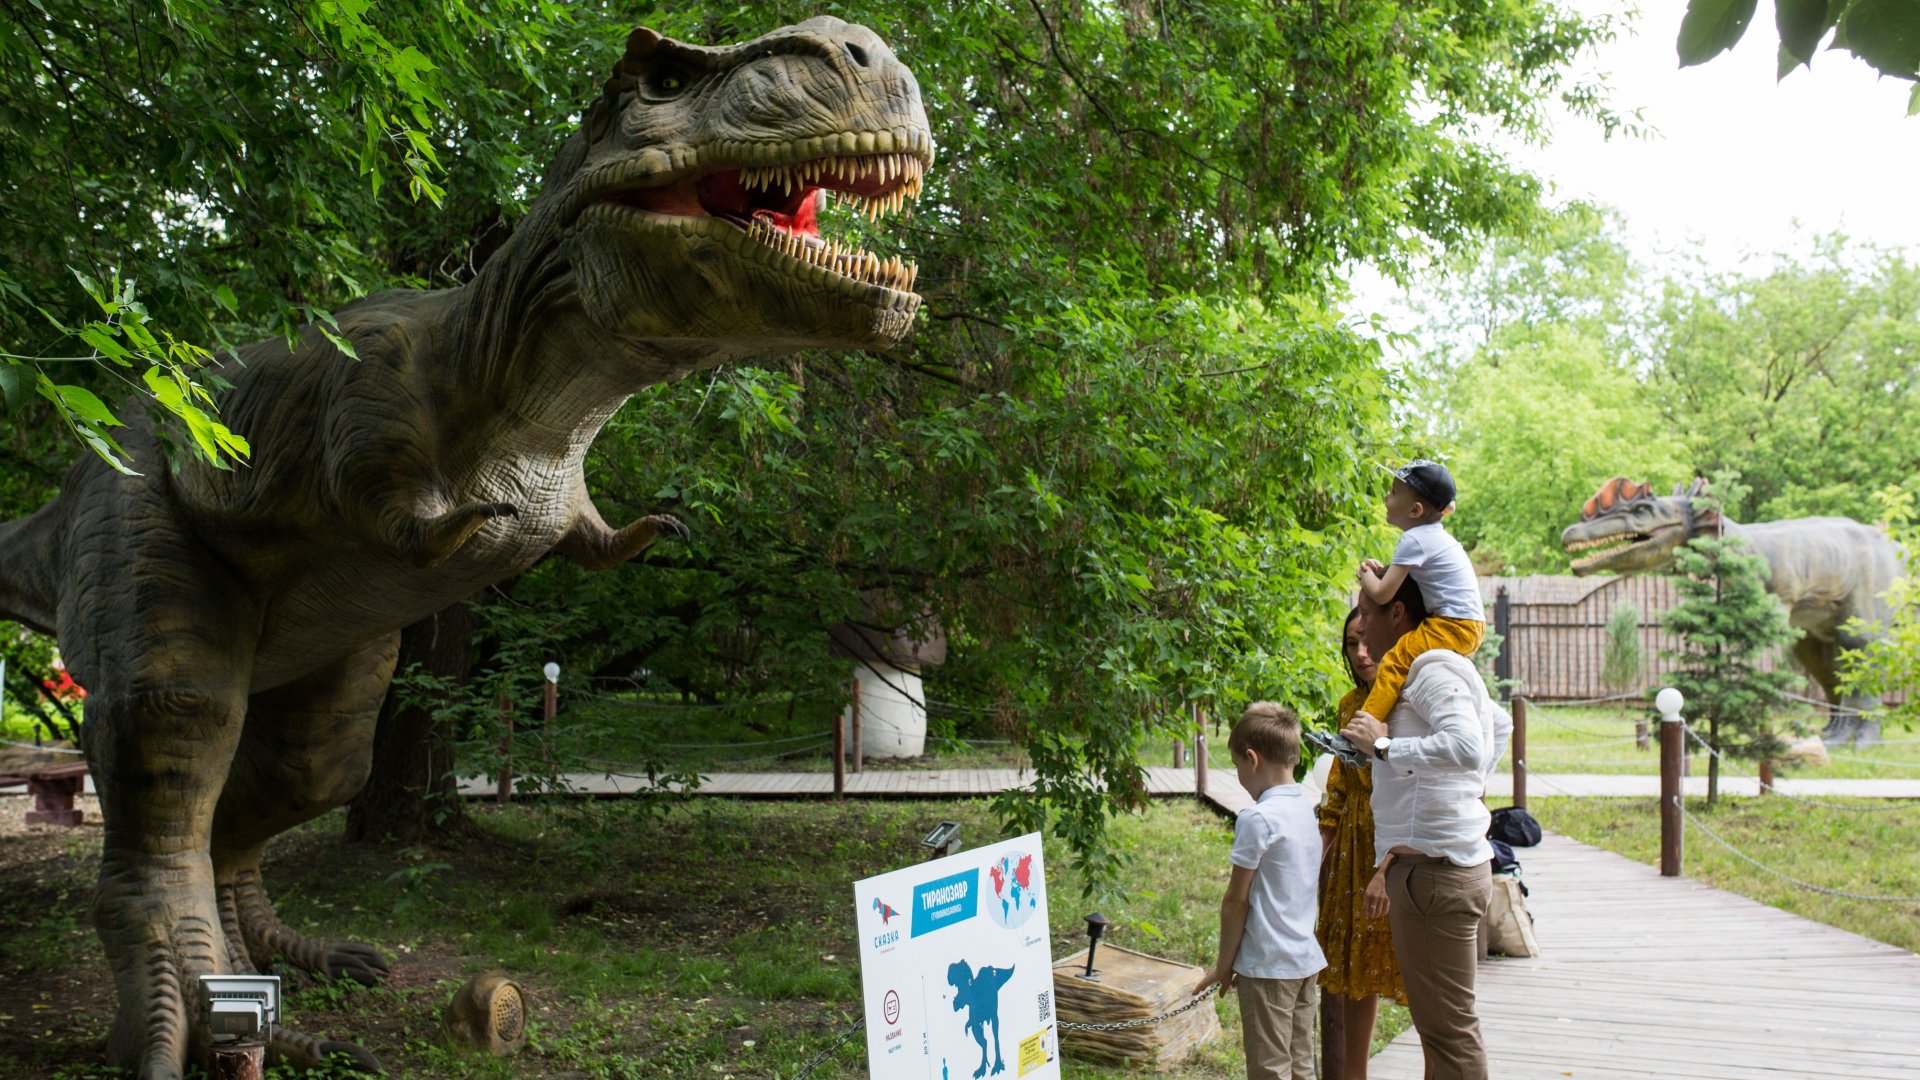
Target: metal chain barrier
1556	791
1757	864
1546	714
820	1058
1122	1025
1808	799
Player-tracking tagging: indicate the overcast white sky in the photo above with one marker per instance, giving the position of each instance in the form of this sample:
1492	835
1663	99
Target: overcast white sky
1736	159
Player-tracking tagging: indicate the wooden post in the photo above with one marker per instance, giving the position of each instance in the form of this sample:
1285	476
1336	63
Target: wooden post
237	1061
840	755
549	707
503	792
859	758
1179	752
1673	752
1766	776
1199	752
1519	746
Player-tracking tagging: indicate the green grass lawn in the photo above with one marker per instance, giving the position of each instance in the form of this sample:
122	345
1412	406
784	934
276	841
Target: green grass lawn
716	940
1865	853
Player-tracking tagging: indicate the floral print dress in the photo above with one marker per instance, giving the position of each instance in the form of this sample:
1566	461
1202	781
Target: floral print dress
1359	950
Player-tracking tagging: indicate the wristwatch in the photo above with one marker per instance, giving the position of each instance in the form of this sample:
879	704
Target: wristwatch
1380	747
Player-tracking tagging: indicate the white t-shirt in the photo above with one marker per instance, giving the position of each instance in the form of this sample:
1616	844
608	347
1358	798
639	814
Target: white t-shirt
1278	838
1439	565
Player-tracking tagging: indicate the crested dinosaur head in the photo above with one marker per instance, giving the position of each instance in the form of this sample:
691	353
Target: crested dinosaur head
690	203
1626	528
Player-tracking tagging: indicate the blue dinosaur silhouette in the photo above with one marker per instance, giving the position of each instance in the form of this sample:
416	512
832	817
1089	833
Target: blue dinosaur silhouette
979	994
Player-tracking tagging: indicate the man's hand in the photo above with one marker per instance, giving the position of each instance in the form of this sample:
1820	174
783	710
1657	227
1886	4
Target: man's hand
1362	729
1373	901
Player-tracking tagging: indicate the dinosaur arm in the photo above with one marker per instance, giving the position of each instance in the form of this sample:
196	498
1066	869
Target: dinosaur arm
596	546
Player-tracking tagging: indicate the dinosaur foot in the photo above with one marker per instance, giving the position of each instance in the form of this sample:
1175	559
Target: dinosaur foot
440	537
265	937
161	937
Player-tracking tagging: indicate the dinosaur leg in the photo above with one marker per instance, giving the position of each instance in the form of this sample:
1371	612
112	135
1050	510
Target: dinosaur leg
1816	658
999	1062
306	750
168	671
1860	707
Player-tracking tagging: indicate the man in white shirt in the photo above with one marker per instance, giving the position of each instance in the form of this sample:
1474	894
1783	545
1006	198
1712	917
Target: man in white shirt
1432	759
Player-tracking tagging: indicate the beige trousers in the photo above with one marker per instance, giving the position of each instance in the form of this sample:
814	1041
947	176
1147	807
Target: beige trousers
1276	1027
1435	908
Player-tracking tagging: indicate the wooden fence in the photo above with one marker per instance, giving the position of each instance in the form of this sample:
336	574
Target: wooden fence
1556	630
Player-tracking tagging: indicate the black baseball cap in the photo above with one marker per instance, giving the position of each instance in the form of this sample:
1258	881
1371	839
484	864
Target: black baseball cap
1429	479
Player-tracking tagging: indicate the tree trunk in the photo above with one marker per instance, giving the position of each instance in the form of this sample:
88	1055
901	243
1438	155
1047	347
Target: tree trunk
1713	762
410	797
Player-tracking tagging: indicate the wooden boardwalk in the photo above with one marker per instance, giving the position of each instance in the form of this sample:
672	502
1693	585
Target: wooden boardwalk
1649	977
1162	781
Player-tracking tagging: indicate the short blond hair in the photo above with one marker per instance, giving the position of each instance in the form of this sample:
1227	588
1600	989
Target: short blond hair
1269	729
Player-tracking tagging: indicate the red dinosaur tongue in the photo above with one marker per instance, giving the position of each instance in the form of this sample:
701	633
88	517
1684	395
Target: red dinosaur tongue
722	194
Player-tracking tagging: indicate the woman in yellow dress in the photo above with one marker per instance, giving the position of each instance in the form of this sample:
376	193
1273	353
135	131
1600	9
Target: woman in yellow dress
1360	965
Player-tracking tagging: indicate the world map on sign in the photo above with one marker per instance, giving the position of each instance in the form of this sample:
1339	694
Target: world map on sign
1013	900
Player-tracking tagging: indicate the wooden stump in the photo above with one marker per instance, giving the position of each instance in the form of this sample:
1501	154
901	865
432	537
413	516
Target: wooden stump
237	1061
1132	986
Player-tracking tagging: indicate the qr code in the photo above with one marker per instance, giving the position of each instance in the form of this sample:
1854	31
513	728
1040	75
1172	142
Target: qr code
1046	1004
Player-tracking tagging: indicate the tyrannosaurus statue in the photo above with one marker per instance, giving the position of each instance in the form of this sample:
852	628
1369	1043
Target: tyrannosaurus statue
236	630
1826	570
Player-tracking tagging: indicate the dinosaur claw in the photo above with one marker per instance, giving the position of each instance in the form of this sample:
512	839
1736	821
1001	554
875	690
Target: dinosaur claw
669	523
440	537
353	961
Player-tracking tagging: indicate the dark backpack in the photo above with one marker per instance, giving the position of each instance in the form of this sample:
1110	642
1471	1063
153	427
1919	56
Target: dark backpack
1514	826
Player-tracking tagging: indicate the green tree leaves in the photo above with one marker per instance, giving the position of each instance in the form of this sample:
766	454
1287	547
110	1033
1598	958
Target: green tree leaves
1884	33
1728	623
1711	27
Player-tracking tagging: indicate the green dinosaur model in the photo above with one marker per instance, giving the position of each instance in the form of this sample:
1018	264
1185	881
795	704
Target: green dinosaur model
236	630
1827	570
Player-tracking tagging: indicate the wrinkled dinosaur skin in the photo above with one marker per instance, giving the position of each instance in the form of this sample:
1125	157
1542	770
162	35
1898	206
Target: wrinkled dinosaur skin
1826	570
236	630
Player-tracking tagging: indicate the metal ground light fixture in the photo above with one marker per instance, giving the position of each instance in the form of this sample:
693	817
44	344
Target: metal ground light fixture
1096	928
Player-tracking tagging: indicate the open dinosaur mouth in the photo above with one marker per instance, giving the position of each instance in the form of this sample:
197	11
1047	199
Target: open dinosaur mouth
1605	549
779	205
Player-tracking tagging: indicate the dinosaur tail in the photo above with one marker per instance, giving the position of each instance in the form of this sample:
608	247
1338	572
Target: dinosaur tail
31	567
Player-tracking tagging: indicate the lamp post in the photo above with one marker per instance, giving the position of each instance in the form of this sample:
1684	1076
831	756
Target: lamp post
1673	751
1096	927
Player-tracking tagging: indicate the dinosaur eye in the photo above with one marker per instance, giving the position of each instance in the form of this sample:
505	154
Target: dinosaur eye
667	83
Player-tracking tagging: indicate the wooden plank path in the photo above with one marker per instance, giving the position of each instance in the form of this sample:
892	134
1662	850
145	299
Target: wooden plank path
1649	977
1223	792
1161	781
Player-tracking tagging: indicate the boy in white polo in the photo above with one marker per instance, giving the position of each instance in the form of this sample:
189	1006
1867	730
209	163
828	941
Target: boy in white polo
1267	945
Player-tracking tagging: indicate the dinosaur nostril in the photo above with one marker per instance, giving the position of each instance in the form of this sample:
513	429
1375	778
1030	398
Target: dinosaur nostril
857	54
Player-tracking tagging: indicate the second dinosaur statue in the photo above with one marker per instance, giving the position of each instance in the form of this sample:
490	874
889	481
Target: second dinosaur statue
1828	571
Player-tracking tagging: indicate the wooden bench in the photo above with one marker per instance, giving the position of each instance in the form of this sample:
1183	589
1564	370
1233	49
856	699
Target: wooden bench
53	788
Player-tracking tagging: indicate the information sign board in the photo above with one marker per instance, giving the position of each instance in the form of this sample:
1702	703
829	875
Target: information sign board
956	968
